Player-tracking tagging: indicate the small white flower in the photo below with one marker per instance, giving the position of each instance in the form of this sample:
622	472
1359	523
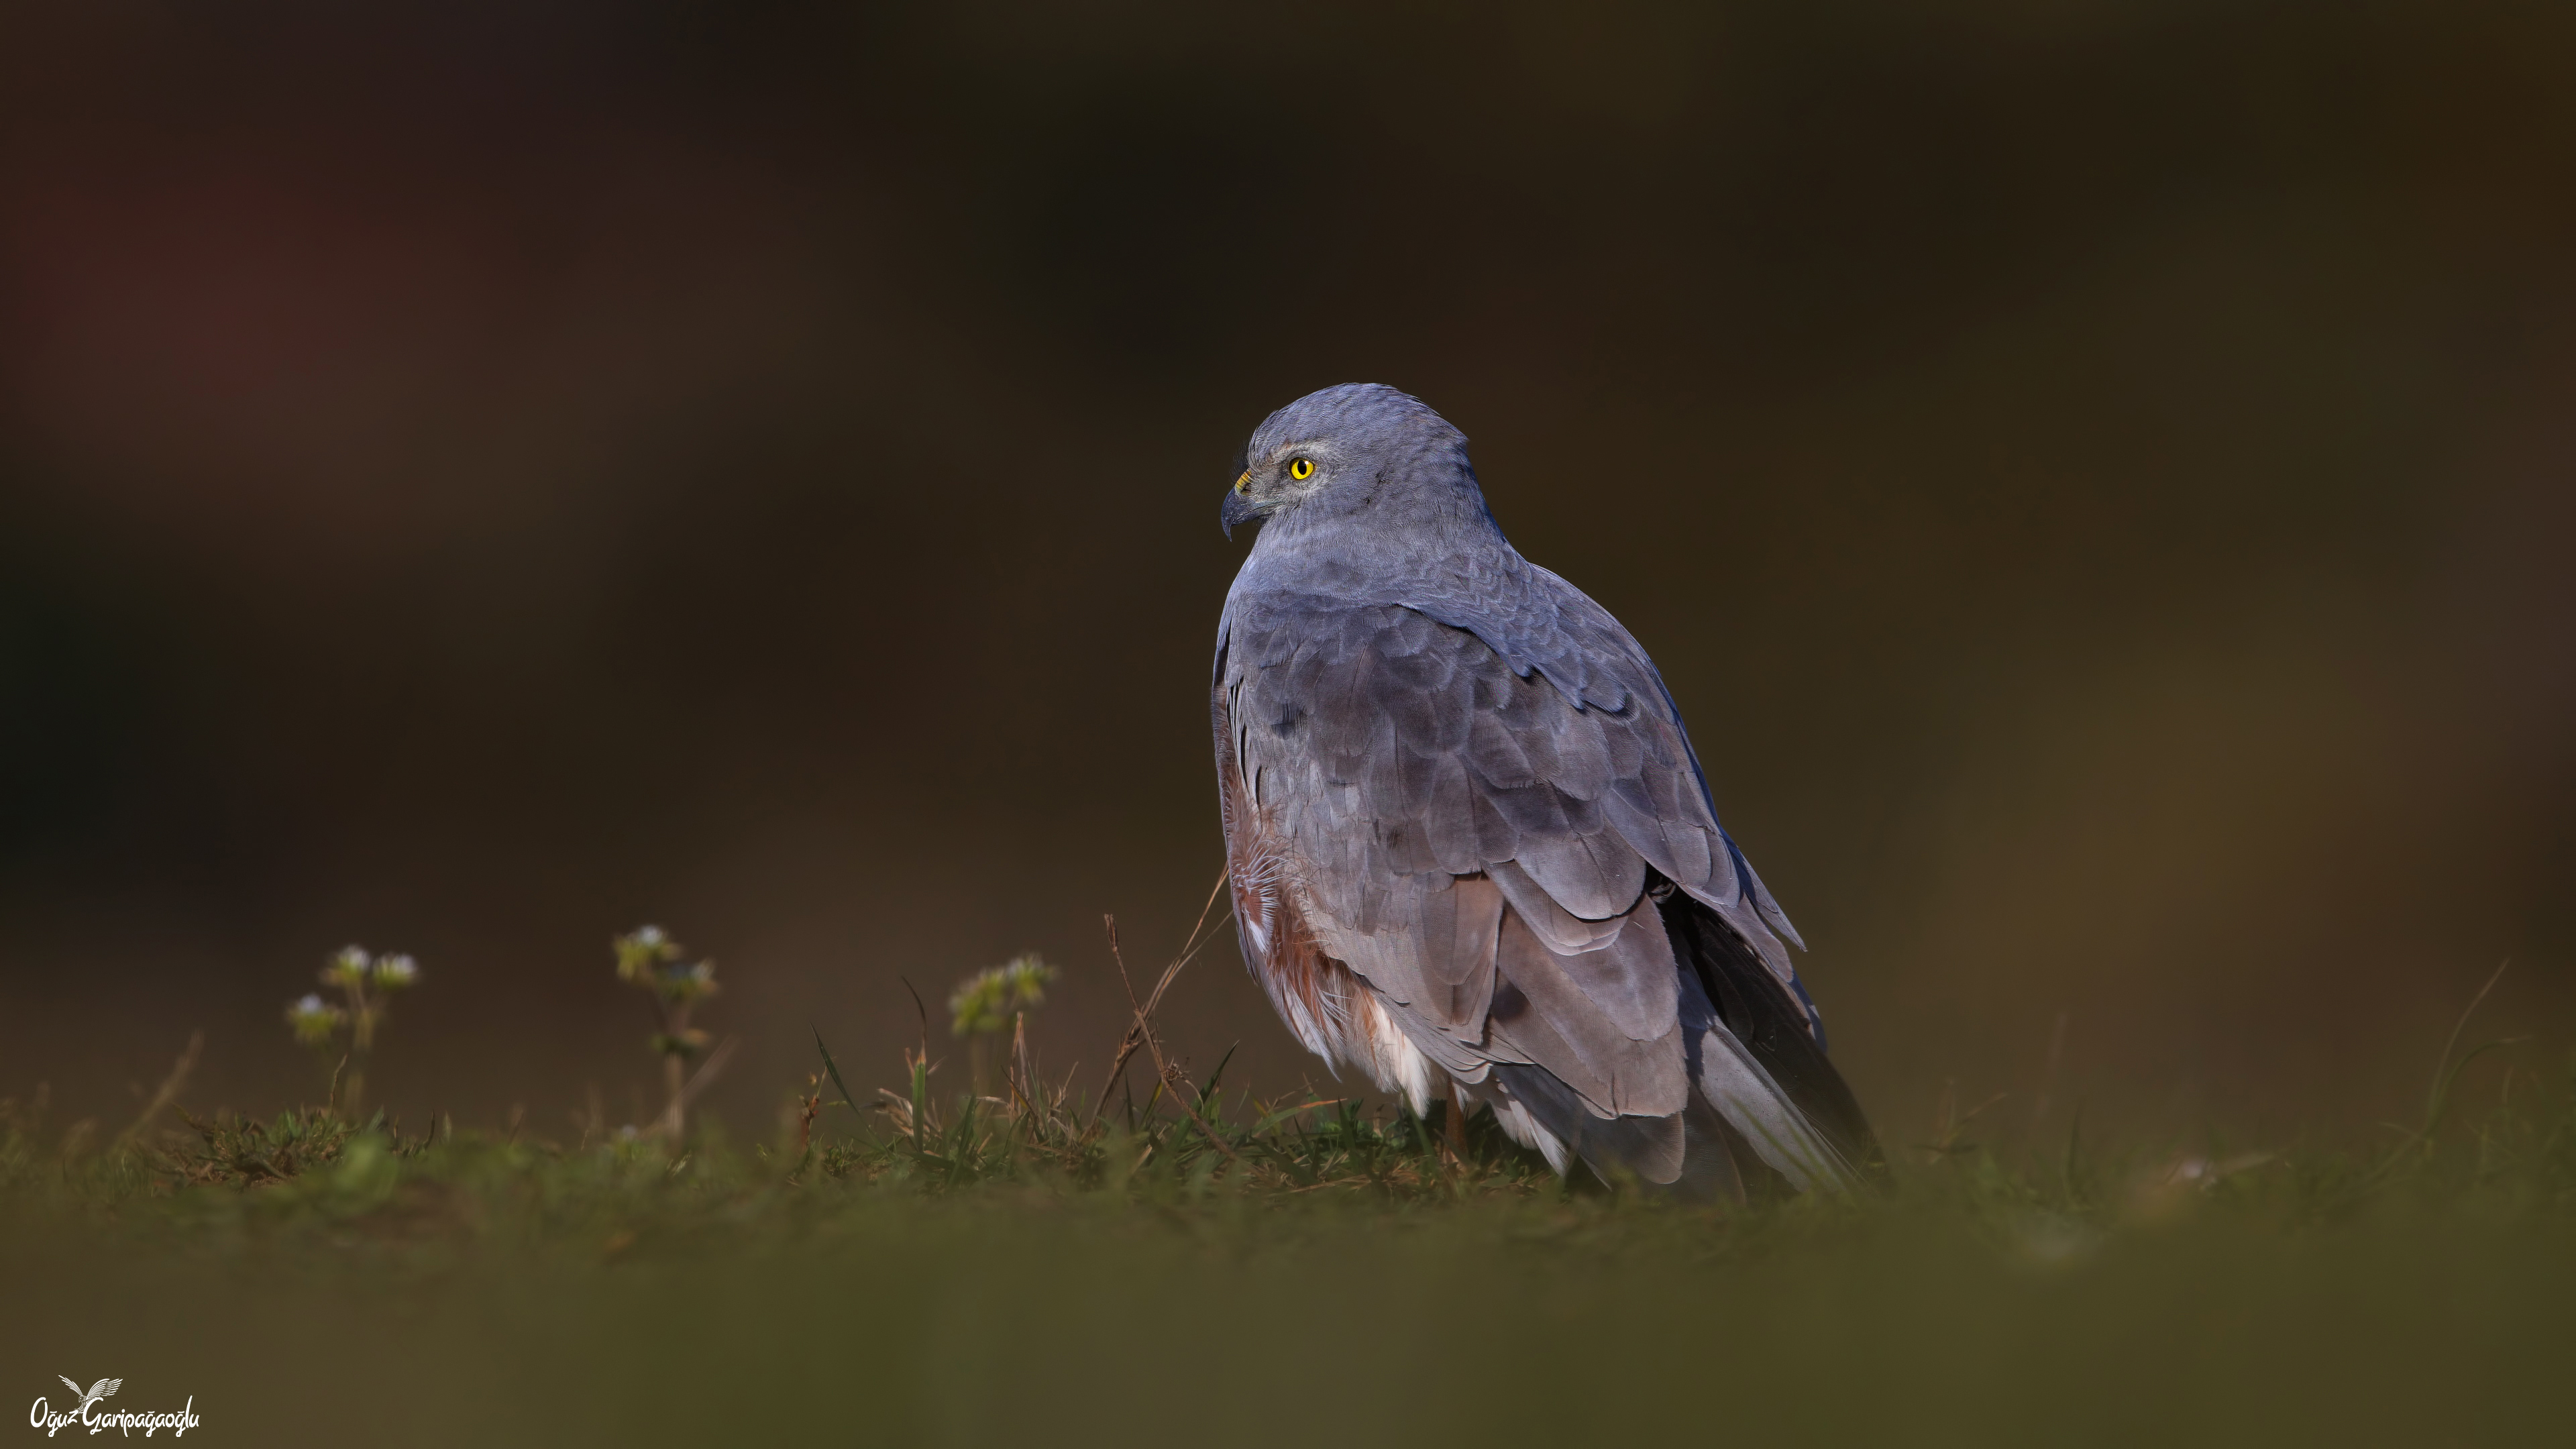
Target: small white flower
396	970
314	1020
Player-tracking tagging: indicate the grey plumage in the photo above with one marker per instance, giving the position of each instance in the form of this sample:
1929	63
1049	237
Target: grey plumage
1472	851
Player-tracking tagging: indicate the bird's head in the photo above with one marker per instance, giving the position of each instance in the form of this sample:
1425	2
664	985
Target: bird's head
1345	451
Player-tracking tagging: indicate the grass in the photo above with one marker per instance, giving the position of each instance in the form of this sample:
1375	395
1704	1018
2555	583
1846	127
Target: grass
1156	1260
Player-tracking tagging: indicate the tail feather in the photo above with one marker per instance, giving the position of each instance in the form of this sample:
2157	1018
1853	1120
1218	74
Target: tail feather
1761	1061
1765	1117
1771	1111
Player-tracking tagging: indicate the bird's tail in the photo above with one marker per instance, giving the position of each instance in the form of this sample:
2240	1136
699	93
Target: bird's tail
1761	1067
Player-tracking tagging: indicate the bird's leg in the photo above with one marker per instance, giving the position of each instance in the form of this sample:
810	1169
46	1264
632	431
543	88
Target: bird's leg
1453	1136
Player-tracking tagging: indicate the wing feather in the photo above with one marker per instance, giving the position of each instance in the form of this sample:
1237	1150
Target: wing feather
1564	932
1572	1024
1594	876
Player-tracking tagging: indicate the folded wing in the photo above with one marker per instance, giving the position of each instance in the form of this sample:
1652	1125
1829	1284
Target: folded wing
1495	854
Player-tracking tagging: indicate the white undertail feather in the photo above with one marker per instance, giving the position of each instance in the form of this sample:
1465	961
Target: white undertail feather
1374	1044
1521	1127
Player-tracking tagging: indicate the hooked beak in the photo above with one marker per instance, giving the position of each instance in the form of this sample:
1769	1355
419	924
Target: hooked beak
1239	507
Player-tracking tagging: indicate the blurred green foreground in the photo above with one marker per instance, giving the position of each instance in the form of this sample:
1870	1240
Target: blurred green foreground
1337	1280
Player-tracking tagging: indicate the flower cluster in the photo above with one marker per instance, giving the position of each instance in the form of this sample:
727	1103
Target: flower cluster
365	982
986	1001
648	958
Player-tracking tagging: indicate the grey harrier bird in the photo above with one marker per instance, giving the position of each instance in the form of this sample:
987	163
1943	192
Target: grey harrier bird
1472	854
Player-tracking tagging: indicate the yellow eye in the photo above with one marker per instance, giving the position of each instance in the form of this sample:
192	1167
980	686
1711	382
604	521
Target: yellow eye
1300	469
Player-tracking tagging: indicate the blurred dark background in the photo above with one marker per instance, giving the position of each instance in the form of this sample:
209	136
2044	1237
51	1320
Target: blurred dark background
474	478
